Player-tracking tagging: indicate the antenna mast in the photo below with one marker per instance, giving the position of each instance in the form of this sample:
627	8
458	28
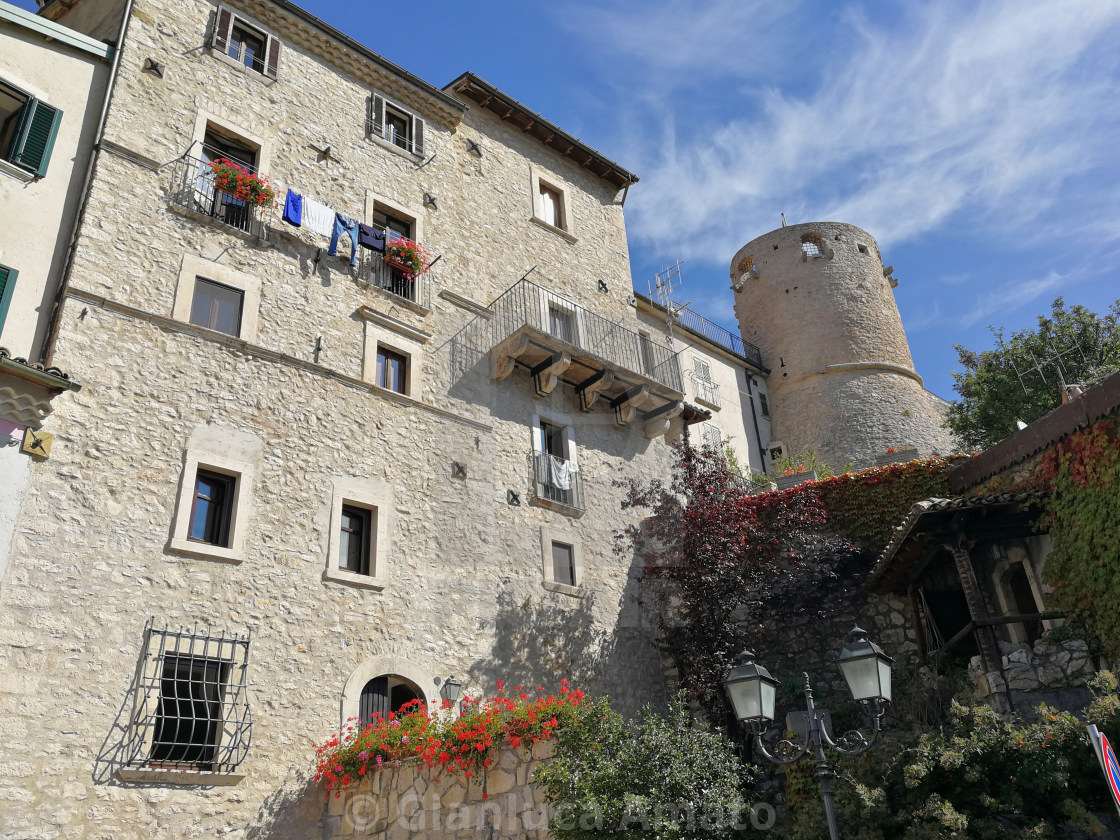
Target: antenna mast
661	289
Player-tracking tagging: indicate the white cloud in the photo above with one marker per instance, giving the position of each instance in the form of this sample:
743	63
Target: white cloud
975	114
1010	296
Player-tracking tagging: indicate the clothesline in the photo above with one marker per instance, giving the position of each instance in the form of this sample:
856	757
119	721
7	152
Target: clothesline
303	211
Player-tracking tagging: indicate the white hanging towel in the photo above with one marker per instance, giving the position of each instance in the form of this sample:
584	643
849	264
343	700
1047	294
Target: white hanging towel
318	218
560	472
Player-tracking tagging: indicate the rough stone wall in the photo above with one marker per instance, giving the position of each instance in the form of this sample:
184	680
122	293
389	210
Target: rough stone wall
422	803
842	379
465	595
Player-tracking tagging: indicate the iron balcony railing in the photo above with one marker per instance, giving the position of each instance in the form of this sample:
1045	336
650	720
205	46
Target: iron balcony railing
527	304
373	269
715	333
556	480
192	188
706	391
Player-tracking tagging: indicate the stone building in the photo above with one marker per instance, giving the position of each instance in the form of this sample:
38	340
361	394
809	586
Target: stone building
818	300
52	85
299	486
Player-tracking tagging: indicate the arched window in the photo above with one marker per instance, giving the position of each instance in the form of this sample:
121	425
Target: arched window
384	694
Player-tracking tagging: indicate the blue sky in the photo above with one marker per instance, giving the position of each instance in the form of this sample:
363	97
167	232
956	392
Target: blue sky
977	141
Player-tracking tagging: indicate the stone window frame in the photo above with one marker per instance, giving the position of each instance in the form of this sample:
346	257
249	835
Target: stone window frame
564	536
229	124
565	230
370	494
194	267
268	36
245	474
379	666
379	101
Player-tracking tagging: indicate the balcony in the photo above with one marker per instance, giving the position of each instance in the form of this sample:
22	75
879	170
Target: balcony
558	340
707	392
192	191
378	274
694	322
556	483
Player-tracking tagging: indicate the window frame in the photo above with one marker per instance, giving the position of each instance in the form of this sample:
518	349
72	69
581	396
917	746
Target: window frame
215	304
7	291
565	228
378	110
376	497
226	20
224	518
193	268
550	535
366	536
240	507
30	126
383	357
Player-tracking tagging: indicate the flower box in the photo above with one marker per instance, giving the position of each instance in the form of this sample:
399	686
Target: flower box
407	256
237	181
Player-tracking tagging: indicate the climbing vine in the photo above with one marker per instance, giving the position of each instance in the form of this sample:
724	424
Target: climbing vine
1082	514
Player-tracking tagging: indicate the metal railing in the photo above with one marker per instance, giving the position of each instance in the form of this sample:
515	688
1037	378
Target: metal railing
715	333
556	480
706	391
373	269
192	188
527	304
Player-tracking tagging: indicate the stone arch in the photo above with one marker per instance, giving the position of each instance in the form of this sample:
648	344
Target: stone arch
378	666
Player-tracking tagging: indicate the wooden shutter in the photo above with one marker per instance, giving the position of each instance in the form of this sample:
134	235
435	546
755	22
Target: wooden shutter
374	700
417	136
763	404
38	127
273	57
7	286
700	369
377	118
222	29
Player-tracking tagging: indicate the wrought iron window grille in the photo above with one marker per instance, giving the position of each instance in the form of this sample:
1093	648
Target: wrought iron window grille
190	704
193	189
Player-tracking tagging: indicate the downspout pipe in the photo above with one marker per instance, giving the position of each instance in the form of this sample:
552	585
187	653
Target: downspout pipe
46	353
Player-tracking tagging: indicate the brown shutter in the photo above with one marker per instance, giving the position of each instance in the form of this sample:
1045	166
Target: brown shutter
378	105
417	136
221	31
273	56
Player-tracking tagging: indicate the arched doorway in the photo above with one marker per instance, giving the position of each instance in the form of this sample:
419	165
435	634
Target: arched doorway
384	694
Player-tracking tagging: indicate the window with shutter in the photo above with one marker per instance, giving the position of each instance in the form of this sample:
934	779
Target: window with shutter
390	122
28	128
245	43
7	287
763	404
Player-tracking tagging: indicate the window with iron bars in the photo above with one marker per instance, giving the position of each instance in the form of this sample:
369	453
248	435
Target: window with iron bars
707	391
190	709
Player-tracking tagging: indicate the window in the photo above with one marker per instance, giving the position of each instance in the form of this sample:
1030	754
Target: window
556	478
562	323
711	436
382	274
384	695
551	209
563	563
217	307
706	390
811	250
245	43
191	723
217	297
394	124
562	559
354	539
212	509
7	289
763	404
391	372
28	128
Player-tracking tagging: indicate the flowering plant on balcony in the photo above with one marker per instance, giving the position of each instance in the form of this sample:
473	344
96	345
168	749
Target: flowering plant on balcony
239	182
408	256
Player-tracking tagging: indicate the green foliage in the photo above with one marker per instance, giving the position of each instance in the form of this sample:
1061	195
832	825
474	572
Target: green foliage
807	461
1083	516
980	778
658	776
991	393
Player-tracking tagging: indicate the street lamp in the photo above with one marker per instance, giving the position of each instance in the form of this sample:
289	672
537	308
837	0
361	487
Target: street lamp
751	690
451	690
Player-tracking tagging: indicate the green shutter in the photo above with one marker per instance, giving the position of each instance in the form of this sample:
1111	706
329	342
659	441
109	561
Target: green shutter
7	286
38	126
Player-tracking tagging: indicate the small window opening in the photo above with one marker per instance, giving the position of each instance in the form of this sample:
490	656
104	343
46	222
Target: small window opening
212	508
862	249
563	563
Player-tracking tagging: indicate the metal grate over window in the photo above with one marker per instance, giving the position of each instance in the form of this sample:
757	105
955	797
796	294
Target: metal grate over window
191	706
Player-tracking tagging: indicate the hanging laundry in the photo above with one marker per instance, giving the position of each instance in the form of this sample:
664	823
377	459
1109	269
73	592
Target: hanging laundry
371	237
293	209
560	472
317	218
344	224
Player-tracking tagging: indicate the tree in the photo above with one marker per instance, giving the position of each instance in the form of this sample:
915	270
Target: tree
997	388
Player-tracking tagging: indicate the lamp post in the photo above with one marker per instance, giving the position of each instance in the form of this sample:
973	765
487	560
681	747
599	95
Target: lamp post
751	690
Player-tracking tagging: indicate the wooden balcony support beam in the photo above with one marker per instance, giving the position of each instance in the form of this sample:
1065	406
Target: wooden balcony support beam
591	389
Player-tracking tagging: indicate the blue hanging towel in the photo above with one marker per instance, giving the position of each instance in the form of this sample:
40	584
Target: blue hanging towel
293	209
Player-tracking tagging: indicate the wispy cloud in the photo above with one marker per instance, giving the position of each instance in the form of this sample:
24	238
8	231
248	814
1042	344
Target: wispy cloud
1011	296
975	113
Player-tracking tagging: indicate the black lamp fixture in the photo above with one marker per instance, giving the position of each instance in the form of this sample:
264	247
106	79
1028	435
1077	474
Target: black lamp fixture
751	692
451	691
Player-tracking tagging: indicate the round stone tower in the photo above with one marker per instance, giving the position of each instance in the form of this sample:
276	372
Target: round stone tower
818	301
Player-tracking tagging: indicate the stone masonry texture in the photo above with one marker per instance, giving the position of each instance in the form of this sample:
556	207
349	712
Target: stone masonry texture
809	315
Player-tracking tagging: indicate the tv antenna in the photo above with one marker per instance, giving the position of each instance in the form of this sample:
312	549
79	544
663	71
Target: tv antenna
1053	363
664	284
